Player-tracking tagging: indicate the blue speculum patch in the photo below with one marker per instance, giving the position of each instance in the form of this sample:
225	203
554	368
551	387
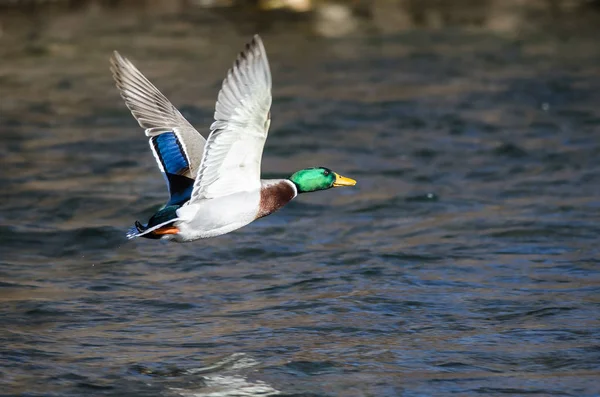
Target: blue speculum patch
174	162
170	153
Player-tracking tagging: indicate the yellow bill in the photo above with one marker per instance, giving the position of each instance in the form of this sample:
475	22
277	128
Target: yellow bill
343	181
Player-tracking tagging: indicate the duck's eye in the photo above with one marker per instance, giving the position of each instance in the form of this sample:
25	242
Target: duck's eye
326	172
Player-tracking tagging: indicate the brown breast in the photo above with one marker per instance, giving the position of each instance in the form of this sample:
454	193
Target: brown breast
273	197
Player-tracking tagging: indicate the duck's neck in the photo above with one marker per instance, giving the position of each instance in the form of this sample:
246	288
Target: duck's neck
274	194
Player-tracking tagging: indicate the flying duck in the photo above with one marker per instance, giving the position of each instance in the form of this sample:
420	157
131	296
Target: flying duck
214	184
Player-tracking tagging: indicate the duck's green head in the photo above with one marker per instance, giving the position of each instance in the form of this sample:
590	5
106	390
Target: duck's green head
320	178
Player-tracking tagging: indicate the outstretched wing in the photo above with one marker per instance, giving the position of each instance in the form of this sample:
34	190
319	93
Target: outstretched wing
233	151
176	145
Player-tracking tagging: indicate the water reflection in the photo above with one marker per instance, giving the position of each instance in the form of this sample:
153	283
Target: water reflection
220	380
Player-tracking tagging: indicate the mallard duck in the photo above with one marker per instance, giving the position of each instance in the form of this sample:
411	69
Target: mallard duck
214	184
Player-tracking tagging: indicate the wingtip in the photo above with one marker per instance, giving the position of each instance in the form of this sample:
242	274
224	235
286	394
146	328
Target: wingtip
115	55
257	42
119	64
115	60
255	50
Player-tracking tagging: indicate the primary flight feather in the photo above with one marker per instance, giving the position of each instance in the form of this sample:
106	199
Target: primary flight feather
214	184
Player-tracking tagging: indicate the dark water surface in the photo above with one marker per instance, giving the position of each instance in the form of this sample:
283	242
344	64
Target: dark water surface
465	261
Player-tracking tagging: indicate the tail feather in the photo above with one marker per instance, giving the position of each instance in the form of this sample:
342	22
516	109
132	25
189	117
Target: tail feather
135	231
139	230
132	233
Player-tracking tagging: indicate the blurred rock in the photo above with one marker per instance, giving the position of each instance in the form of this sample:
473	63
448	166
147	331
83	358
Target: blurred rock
334	20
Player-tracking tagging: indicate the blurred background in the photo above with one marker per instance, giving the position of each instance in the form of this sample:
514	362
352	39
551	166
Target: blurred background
465	261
